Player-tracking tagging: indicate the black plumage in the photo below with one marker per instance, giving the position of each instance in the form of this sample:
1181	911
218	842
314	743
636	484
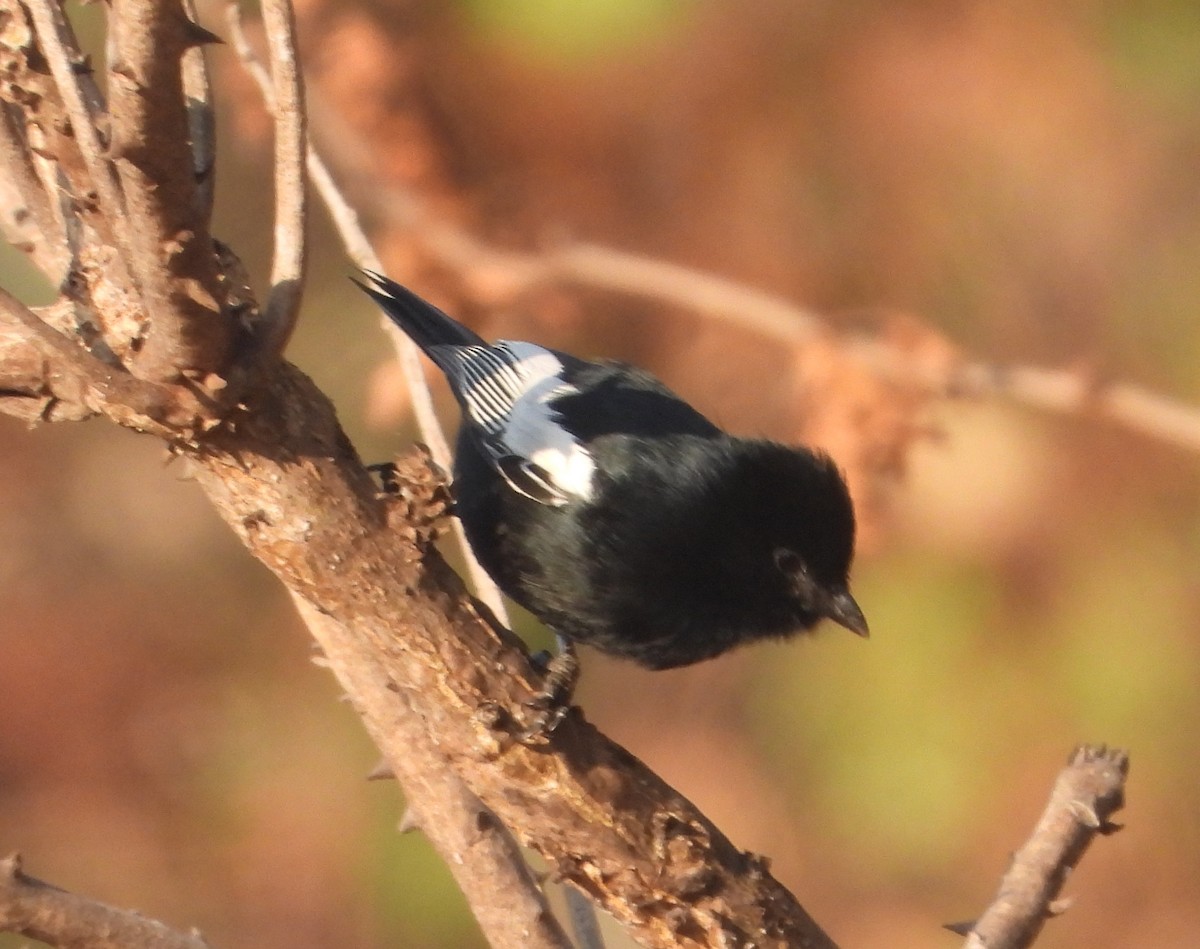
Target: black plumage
619	515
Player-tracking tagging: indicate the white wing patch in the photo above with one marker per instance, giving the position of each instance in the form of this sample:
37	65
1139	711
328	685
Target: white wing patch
507	390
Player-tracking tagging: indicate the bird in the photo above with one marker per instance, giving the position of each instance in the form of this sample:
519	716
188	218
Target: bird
620	516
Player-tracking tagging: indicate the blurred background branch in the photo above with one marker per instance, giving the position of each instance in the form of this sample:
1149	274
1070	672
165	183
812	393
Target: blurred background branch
1088	791
38	910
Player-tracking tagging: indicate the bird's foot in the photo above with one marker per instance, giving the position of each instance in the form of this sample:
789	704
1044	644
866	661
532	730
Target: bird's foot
552	702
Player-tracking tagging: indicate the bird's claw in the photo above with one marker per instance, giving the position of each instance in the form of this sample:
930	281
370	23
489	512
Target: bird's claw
553	701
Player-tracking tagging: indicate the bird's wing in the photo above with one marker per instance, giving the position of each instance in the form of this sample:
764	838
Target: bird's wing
506	392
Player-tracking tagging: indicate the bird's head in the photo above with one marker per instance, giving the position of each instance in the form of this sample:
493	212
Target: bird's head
792	512
817	598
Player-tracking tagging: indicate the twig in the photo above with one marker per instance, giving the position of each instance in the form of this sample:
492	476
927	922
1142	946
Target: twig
57	42
346	221
29	907
502	870
1086	795
31	220
512	273
172	253
287	107
67	373
1072	392
477	849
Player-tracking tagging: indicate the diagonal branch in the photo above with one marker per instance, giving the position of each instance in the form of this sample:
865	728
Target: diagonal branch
513	273
478	851
81	102
346	221
37	910
285	478
44	375
1086	795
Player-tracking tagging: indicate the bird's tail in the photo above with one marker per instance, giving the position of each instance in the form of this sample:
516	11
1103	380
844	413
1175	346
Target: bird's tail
422	322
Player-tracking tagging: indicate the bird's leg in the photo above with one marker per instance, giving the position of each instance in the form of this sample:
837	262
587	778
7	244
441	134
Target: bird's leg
552	702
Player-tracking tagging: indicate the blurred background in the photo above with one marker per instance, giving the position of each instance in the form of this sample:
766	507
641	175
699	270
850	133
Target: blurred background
1014	182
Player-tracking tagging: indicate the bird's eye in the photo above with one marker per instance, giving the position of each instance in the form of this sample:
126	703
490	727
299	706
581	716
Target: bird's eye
789	562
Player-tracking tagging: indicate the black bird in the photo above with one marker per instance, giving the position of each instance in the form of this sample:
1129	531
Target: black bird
620	516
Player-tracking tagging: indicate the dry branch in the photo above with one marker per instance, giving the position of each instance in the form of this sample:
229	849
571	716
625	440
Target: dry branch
44	376
202	123
483	858
171	253
80	107
29	907
1086	795
285	478
493	273
287	98
434	680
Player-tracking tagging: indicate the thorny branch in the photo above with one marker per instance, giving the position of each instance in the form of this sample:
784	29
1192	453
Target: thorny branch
40	911
171	251
44	376
448	811
1089	790
478	850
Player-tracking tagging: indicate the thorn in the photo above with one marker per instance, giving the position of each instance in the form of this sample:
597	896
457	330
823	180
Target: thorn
408	822
1059	906
124	70
1086	814
963	929
196	35
320	662
381	772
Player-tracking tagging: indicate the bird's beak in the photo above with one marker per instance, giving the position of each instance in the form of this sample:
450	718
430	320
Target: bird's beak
845	612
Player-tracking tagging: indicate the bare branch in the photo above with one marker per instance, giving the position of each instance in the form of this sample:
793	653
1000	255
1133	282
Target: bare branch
172	255
48	377
82	104
30	220
479	852
287	106
1074	392
1086	795
29	907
